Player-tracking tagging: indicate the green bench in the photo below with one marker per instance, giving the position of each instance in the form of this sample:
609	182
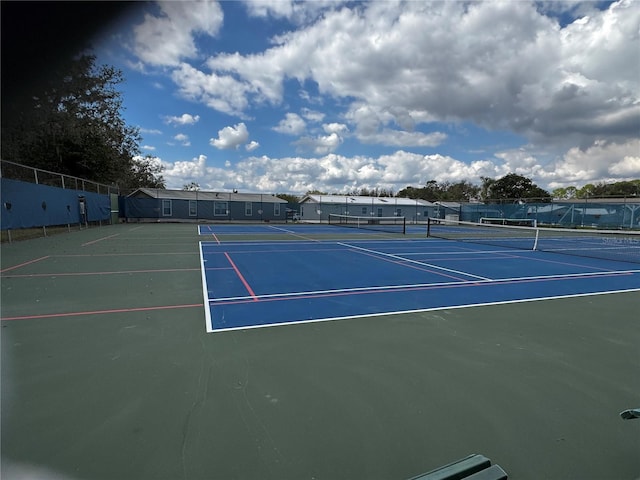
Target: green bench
473	467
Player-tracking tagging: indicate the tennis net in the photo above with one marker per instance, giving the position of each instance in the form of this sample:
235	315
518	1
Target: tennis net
621	245
382	224
520	222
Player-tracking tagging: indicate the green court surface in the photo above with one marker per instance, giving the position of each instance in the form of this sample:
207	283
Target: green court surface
108	373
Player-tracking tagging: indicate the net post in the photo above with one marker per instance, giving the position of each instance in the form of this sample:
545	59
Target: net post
535	242
428	226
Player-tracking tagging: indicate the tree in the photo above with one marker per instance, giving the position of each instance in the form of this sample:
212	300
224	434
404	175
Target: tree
145	172
73	125
460	191
289	198
516	187
191	187
487	183
434	191
586	191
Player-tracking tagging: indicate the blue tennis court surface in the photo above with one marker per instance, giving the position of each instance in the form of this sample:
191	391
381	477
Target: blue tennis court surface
257	284
295	229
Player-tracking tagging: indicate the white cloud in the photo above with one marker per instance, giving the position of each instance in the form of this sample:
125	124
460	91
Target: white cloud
337	128
295	11
150	148
335	173
167	37
500	65
332	173
184	119
291	124
399	73
312	115
220	92
182	139
231	137
251	146
322	144
150	131
602	161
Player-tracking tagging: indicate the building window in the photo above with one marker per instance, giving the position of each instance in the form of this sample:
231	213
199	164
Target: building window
248	209
166	208
364	210
220	208
276	209
398	212
193	208
379	211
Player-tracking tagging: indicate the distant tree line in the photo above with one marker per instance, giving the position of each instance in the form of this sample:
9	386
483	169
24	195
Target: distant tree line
618	189
508	188
73	125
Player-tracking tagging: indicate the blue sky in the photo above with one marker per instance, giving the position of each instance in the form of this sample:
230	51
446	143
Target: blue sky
287	97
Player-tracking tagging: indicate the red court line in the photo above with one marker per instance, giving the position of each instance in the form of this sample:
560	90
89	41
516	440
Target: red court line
101	312
244	282
25	263
73	274
100	239
141	254
216	238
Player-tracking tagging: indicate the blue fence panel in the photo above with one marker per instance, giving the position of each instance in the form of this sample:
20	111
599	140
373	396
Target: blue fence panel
27	205
581	213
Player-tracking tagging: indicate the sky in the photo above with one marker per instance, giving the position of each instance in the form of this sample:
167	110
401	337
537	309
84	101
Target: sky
282	96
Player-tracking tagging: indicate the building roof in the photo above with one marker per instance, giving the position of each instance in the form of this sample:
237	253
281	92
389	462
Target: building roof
200	195
363	200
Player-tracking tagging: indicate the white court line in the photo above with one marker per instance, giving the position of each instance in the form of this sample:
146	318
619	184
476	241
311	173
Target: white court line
511	251
408	260
420	285
205	292
420	310
292	233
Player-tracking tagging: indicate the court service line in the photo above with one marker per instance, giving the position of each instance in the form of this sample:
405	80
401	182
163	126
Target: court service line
398	257
100	239
241	277
420	286
421	310
100	312
25	263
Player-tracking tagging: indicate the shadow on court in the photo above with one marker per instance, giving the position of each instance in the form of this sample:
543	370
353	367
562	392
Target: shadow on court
108	372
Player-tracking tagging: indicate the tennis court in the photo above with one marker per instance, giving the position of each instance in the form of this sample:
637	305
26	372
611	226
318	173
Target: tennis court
138	351
266	283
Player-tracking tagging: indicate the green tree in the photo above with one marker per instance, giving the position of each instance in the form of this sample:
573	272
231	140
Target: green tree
73	125
145	172
485	188
191	187
586	191
289	198
460	191
516	187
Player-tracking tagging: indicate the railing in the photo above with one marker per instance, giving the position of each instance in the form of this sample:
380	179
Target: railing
24	173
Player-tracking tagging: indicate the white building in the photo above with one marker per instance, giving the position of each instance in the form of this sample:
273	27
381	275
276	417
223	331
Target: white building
317	208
